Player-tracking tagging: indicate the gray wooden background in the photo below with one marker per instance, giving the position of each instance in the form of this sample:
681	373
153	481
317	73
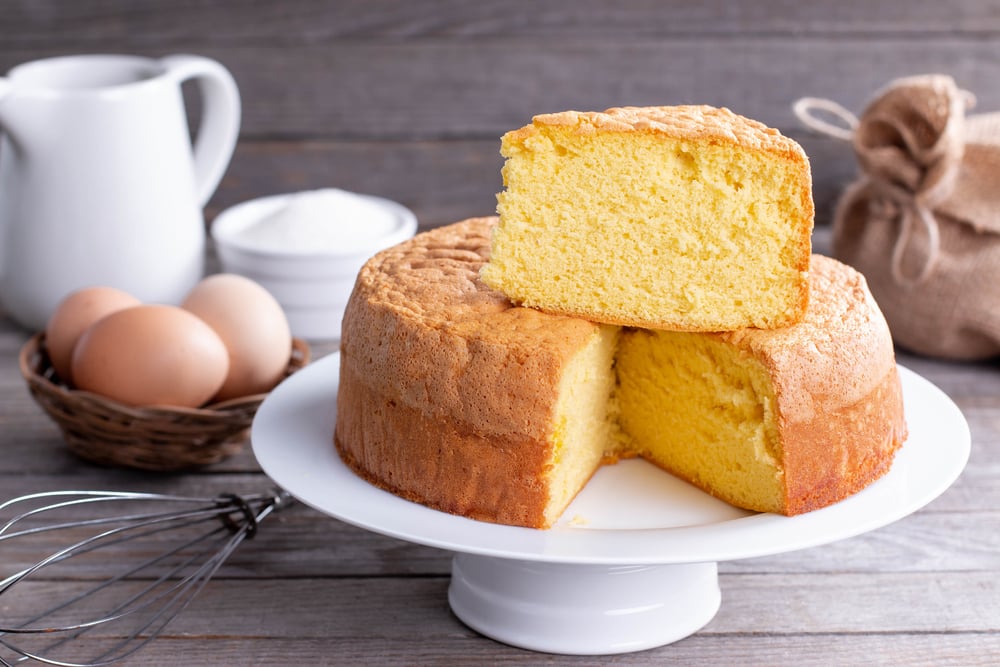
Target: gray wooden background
407	99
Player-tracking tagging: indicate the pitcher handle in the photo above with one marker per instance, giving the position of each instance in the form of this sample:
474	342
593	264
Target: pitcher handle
220	118
4	89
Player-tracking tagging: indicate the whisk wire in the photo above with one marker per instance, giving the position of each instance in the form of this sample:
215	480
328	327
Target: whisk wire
183	593
81	498
24	629
176	597
164	596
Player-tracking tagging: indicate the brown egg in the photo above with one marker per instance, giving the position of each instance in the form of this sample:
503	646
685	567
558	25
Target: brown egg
151	355
73	315
253	327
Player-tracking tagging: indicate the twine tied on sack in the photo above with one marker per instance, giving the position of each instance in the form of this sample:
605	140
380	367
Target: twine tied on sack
910	148
928	200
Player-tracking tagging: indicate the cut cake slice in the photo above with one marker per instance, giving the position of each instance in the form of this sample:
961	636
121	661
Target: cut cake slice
687	218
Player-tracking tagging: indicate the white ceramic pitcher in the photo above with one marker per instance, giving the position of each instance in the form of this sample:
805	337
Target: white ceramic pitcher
99	184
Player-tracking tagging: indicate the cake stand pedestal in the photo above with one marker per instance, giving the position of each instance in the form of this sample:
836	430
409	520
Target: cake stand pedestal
632	564
582	609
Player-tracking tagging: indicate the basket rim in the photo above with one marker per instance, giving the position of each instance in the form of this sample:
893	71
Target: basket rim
33	357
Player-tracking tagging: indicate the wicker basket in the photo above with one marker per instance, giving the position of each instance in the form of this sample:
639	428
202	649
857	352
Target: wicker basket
156	438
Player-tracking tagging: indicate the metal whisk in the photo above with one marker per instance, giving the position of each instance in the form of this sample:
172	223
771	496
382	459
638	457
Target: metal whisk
129	603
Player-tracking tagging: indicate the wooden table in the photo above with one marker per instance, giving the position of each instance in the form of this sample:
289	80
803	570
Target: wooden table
311	590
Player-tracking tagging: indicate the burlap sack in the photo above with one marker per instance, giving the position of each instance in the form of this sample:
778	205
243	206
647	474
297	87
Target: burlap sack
922	222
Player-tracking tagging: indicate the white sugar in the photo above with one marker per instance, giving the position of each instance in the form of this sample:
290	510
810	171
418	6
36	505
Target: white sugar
322	221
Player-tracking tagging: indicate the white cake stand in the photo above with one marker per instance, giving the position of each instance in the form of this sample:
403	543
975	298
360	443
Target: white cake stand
633	562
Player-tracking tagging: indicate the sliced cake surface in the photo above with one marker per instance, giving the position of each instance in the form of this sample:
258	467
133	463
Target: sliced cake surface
687	218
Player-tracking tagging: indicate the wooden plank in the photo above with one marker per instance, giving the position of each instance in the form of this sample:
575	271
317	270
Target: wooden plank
794	604
928	541
445	89
777	620
435	89
96	22
955	602
462	648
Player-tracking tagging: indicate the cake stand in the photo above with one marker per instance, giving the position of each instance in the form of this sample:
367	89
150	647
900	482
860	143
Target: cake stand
632	564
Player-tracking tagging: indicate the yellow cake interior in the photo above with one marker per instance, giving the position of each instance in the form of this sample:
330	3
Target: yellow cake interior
584	424
698	407
610	224
690	403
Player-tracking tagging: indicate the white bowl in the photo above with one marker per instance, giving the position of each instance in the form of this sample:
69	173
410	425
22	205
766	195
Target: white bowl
312	284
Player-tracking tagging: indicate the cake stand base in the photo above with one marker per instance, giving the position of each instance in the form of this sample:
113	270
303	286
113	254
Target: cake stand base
582	609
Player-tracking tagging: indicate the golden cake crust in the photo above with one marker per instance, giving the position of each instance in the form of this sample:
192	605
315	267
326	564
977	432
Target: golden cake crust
447	390
838	352
695	122
837	388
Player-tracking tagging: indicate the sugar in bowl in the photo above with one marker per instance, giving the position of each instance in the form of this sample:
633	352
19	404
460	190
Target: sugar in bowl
306	249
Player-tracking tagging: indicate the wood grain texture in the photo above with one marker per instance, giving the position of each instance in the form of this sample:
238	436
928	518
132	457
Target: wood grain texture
294	22
406	621
344	608
465	648
447	89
